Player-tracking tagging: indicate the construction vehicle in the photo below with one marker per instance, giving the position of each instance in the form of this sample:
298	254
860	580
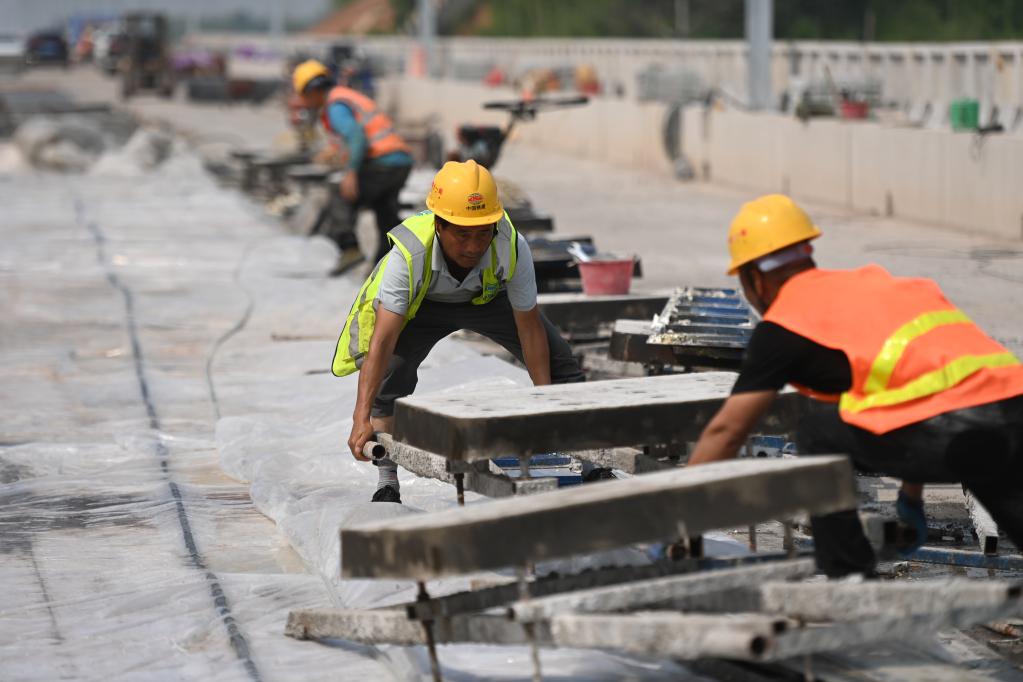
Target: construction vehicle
146	64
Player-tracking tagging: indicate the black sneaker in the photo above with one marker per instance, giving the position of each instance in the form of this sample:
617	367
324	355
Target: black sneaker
387	494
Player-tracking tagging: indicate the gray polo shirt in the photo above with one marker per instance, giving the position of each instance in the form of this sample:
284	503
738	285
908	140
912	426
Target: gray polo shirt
444	288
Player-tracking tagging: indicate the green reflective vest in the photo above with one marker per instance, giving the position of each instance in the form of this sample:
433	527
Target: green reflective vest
414	239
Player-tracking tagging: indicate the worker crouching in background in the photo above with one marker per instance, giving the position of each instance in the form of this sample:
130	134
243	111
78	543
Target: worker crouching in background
906	384
459	265
378	161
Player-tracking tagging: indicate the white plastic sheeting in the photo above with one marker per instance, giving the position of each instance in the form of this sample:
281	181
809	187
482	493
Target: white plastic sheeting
157	333
125	553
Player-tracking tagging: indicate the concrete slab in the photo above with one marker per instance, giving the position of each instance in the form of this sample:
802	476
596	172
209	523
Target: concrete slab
392	626
510	590
555	583
623	412
595	517
743	636
629	460
850	635
832	601
647	593
749	636
631	341
478	475
579	316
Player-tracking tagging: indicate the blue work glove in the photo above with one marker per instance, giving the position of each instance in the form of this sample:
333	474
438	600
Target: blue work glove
911	513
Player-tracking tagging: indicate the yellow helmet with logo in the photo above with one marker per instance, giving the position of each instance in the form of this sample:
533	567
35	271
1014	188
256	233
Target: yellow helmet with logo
766	225
305	72
465	194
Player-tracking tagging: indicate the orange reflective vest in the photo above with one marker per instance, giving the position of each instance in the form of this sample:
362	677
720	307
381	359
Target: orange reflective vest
913	354
380	136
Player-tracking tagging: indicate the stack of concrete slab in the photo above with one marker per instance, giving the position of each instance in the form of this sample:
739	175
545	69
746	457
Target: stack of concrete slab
698	327
749	611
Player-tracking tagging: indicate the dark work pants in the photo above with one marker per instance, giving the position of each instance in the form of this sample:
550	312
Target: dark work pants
379	187
434	321
337	221
980	447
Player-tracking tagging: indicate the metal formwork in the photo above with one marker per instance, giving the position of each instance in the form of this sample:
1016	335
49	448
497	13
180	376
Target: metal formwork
699	327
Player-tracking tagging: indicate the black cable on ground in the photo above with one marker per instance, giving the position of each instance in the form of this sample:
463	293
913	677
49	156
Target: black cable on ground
238	326
220	603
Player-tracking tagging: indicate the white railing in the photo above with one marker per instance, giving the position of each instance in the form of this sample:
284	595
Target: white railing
922	79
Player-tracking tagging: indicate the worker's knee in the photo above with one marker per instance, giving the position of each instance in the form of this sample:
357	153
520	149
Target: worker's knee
400	380
568	376
565	368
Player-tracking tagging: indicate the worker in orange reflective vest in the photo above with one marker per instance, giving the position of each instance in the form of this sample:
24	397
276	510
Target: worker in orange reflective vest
904	382
378	161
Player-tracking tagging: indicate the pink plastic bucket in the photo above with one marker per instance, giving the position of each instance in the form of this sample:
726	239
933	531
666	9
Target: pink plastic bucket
606	277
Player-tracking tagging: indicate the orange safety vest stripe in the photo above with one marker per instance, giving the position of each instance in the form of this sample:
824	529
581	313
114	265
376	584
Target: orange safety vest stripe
913	355
381	138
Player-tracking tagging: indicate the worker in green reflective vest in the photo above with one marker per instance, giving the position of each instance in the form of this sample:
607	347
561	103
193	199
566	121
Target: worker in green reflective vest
459	265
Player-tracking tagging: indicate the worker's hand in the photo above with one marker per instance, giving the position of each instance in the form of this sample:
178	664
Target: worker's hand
911	513
362	431
350	186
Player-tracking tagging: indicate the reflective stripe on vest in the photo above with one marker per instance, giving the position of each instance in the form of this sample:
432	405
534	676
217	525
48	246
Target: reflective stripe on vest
912	354
414	239
381	138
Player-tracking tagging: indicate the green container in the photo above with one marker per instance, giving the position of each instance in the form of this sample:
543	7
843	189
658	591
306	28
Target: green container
964	114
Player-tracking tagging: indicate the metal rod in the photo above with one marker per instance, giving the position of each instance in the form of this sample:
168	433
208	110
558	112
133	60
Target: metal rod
530	630
431	645
841	601
524	466
753	538
481	600
460	488
787	542
808	675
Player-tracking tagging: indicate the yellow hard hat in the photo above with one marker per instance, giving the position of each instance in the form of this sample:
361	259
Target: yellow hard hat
765	225
465	194
305	72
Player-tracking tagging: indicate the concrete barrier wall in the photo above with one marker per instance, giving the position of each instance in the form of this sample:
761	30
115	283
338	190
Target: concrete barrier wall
939	177
954	179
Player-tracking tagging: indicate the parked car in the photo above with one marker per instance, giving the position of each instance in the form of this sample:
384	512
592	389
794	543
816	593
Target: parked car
46	47
12	52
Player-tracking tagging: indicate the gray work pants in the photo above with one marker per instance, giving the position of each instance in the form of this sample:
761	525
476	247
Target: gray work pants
434	321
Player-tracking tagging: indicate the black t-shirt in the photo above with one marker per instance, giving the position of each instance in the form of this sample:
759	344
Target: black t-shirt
776	356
